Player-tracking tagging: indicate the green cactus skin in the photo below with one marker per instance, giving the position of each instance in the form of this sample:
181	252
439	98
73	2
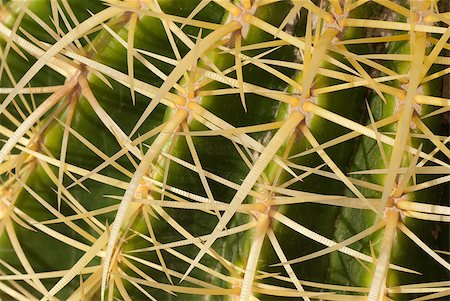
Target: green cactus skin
213	143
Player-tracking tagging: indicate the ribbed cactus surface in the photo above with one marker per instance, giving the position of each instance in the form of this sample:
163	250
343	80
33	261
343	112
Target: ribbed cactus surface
224	150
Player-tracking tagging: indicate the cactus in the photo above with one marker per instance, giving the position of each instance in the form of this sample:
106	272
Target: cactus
224	150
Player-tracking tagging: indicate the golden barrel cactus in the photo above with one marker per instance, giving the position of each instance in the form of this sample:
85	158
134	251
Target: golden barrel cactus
224	150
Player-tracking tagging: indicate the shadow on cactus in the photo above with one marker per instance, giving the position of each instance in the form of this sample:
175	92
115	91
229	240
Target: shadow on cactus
224	150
